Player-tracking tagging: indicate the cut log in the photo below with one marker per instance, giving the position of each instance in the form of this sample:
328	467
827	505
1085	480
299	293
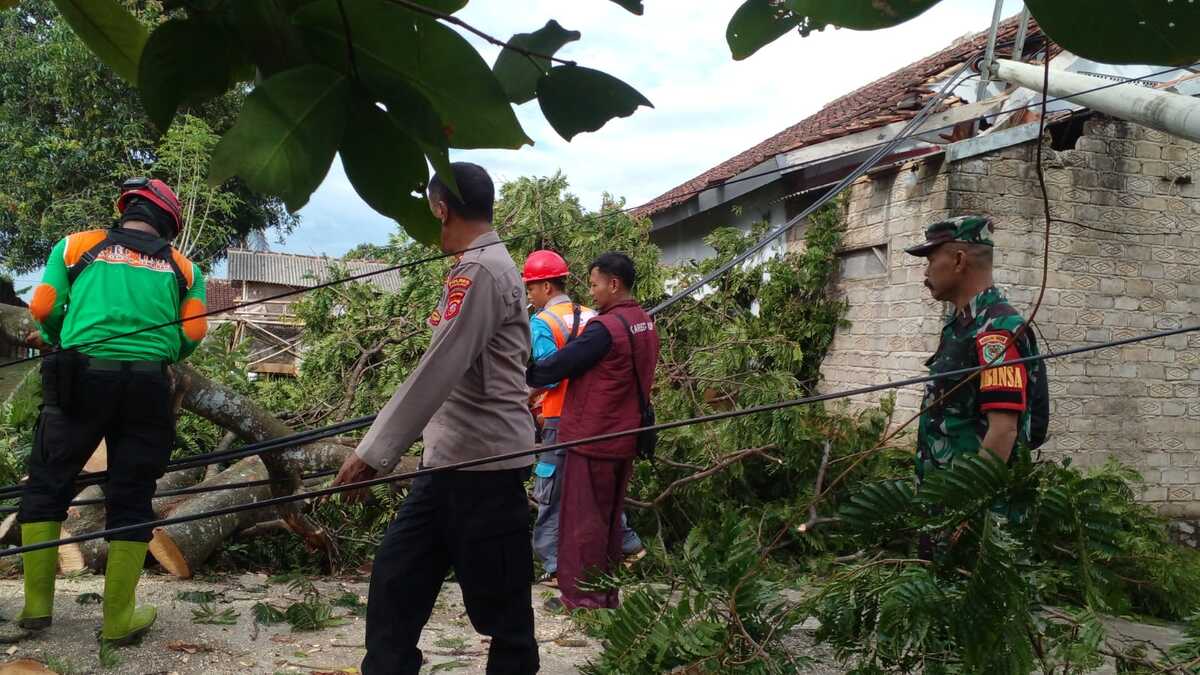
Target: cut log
182	547
99	460
237	413
15	324
9	529
93	554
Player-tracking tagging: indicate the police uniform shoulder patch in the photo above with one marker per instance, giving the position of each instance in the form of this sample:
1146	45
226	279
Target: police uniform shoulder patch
435	318
456	293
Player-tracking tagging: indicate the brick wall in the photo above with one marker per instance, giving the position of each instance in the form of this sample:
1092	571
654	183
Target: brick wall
1141	403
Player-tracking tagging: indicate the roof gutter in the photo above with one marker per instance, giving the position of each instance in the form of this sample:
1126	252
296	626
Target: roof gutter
1173	113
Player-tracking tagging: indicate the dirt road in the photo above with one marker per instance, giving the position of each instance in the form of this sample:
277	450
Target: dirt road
177	645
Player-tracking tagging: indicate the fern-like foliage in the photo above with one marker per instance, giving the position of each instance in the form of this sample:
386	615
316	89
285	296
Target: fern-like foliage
1007	540
692	625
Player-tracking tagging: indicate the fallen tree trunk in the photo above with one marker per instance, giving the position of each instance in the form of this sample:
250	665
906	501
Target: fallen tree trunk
181	548
93	554
239	414
15	324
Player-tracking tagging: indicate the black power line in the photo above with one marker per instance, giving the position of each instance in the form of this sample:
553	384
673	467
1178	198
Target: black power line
194	490
600	216
271	445
702	419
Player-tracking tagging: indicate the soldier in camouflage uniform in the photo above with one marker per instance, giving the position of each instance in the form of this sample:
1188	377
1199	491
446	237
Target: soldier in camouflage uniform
994	410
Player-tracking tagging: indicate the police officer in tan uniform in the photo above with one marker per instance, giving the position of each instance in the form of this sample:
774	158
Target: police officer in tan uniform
467	398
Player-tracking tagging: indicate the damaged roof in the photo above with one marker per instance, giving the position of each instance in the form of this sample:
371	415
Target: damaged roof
894	98
305	271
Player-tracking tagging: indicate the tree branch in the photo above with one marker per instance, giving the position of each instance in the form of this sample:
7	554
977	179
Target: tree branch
720	465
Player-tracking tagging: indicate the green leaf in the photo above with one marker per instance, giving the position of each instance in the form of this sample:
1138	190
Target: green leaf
266	33
394	45
199	597
1112	31
386	167
109	30
444	6
423	124
184	60
858	14
287	134
5	4
576	99
634	6
267	614
519	73
756	24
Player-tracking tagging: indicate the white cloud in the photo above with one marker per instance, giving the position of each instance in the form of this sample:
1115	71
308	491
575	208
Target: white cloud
707	106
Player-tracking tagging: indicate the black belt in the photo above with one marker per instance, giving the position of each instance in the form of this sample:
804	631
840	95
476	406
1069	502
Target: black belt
127	366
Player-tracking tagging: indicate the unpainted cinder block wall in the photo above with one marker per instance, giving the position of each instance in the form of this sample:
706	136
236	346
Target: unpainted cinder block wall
1126	263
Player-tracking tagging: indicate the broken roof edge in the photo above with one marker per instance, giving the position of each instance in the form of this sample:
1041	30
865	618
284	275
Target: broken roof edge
874	105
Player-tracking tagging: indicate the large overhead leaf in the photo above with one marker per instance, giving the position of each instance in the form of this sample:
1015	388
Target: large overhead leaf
393	44
423	125
756	24
1156	32
287	134
267	34
184	60
858	14
109	30
443	6
385	167
576	99
519	73
634	6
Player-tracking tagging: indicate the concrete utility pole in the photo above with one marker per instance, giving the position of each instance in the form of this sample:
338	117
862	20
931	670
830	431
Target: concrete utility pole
1173	113
990	53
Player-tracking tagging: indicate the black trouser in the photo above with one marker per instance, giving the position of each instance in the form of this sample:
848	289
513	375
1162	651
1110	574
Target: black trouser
131	410
476	522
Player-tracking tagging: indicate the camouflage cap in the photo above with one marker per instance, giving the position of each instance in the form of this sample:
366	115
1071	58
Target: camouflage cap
964	229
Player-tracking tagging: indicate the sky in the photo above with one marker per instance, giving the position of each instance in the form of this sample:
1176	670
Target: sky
707	107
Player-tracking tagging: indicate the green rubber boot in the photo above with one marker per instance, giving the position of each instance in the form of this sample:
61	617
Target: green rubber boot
40	568
124	624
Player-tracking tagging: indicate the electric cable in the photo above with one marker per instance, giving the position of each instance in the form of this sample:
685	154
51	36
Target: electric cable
194	490
664	426
845	182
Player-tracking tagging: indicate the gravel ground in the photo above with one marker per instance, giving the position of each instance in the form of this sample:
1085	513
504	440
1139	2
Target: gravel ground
176	645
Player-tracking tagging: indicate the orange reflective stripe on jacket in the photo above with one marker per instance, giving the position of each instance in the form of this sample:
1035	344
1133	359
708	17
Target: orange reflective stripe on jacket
560	318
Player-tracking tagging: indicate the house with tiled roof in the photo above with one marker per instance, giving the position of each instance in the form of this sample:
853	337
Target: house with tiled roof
1124	250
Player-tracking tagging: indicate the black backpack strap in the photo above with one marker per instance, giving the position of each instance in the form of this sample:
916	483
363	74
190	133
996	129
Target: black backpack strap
575	311
88	257
643	403
156	248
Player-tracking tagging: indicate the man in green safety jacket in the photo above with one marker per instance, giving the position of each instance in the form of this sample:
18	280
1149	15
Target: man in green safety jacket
108	381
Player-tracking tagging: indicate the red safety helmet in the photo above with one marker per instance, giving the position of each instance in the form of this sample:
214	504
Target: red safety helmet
158	192
543	265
